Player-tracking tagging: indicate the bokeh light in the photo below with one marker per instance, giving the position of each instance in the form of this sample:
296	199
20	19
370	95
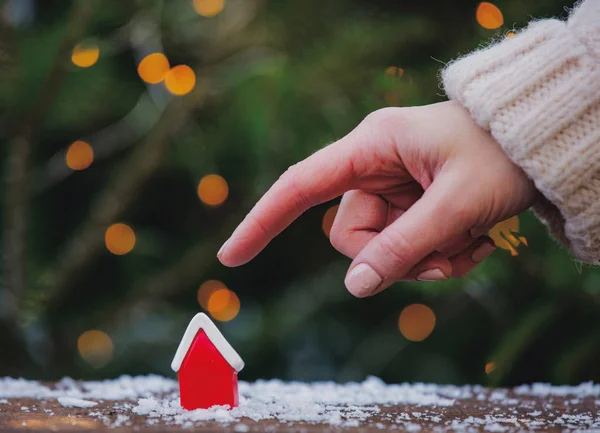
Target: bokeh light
489	16
207	289
223	305
120	239
95	347
153	68
213	190
394	71
416	322
490	367
505	235
180	80
329	218
208	8
511	34
85	55
80	155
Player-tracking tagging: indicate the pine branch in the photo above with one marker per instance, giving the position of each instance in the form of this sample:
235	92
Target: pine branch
142	298
135	124
105	142
17	170
118	195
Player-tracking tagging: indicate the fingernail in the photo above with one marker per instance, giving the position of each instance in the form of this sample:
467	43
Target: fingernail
222	248
482	251
431	275
362	280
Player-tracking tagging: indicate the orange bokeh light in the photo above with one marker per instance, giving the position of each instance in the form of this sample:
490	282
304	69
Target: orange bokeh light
208	8
80	155
95	347
416	322
213	190
119	239
490	367
85	55
511	34
489	16
505	235
207	289
153	68
180	80
223	305
394	71
328	219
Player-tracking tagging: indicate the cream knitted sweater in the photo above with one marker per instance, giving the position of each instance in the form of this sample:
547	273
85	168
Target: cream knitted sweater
538	93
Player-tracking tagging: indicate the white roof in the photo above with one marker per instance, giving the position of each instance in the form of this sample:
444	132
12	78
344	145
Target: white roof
201	321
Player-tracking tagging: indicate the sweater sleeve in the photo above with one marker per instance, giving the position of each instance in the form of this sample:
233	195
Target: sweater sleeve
538	93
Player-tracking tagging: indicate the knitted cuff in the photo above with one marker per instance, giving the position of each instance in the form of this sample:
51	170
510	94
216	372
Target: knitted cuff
538	93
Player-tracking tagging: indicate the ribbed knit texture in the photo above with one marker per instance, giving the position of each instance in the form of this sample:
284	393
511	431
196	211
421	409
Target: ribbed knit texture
538	93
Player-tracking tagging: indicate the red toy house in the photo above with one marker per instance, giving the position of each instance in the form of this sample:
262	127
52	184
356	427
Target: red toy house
207	366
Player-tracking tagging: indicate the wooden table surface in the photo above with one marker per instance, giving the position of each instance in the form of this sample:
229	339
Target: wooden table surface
475	414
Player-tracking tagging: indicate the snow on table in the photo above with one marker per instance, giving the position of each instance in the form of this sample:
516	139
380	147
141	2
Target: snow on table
152	403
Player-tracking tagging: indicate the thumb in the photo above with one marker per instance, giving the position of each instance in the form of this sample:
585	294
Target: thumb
437	217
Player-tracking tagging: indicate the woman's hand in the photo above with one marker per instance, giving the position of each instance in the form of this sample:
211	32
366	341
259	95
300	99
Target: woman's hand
421	187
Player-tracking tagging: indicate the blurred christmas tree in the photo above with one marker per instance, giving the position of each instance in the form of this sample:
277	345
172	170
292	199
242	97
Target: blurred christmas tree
137	135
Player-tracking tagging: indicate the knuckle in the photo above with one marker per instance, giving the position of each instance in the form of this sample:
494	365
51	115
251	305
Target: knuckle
289	173
396	117
396	246
258	224
290	180
338	237
337	240
392	125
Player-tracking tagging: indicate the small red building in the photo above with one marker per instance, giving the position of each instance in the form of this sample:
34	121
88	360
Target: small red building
207	366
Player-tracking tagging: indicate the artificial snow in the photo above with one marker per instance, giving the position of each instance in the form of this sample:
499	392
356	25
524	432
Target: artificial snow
125	387
155	400
586	389
75	402
343	405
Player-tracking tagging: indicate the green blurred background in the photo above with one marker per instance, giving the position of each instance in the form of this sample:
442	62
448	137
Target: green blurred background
275	81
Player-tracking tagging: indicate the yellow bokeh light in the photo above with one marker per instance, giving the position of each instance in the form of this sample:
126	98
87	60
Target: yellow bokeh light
505	235
223	305
85	55
490	367
180	80
95	347
208	8
80	155
213	190
489	16
511	34
119	239
416	322
328	219
153	68
207	289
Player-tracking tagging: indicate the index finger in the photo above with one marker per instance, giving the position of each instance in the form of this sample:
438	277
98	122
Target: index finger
321	177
